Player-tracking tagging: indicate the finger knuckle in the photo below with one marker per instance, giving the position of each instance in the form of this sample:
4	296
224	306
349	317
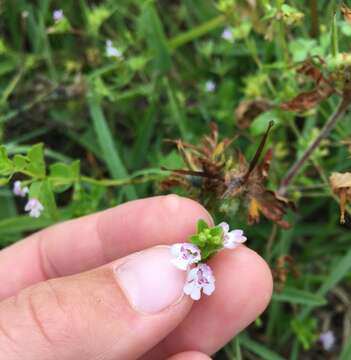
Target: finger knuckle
47	314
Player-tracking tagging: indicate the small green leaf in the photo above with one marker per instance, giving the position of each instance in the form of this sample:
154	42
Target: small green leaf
201	226
6	165
62	175
20	162
260	124
36	166
216	231
66	171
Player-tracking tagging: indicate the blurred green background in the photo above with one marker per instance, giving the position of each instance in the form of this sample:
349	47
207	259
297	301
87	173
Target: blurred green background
106	82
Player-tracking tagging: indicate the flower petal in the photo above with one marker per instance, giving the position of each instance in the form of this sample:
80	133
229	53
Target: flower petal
224	226
196	293
181	264
209	288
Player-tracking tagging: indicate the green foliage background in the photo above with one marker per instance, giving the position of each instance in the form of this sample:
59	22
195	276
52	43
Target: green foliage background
58	87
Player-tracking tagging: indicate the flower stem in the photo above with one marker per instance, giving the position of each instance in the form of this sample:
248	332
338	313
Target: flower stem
327	128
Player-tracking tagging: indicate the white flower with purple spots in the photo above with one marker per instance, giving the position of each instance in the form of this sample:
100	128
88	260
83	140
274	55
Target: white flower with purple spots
199	279
58	15
185	255
232	239
34	208
18	190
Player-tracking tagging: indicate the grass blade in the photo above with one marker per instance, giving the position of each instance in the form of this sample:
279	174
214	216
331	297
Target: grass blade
296	296
105	140
262	351
346	352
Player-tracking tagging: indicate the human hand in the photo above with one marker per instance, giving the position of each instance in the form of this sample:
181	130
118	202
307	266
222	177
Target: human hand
74	291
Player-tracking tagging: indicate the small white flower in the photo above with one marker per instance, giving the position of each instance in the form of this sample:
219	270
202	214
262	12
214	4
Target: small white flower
199	279
34	207
112	51
210	86
327	340
232	239
185	255
227	34
18	190
58	15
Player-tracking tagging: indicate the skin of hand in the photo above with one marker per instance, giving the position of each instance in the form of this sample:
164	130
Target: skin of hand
102	287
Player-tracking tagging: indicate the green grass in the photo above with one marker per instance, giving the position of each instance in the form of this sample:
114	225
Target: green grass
58	87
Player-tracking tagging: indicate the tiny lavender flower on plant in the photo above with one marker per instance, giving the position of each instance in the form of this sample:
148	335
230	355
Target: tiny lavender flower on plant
34	207
199	279
210	86
18	190
112	51
232	239
57	15
185	255
327	340
227	34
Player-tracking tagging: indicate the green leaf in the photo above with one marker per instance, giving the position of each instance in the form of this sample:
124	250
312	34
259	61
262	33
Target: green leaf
216	231
201	225
62	175
65	171
296	296
6	166
36	166
20	162
19	224
260	124
35	190
262	351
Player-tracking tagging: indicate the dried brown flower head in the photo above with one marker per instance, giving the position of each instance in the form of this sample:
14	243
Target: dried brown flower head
214	176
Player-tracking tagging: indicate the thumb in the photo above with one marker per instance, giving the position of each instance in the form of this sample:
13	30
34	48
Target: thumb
118	311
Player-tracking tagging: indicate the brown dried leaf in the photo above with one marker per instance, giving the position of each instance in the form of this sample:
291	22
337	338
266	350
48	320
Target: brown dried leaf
346	12
312	71
248	110
341	186
307	100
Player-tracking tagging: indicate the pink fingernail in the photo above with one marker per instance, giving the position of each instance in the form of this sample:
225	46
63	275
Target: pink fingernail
150	281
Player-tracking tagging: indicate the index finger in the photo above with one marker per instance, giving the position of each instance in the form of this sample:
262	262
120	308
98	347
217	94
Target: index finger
85	243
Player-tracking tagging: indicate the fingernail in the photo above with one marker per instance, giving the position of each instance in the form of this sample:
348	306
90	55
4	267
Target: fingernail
150	281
